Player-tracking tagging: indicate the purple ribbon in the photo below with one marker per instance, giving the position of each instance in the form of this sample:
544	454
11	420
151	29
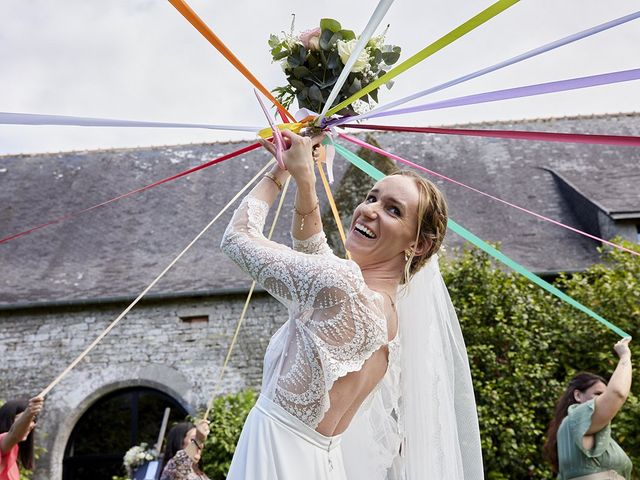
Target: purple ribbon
518	92
505	63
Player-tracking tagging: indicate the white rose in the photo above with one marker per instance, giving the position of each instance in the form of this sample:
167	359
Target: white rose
346	48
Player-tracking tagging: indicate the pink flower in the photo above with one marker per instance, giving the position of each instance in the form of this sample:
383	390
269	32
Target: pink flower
310	38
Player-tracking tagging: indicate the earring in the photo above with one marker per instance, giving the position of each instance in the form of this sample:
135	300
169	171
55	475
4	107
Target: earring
407	254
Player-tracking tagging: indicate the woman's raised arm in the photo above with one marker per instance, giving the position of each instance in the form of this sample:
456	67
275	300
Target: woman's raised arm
609	403
299	162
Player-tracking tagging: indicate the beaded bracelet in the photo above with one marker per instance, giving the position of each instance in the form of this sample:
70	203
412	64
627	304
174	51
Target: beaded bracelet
305	215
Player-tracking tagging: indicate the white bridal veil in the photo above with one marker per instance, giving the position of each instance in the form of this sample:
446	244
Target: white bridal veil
436	420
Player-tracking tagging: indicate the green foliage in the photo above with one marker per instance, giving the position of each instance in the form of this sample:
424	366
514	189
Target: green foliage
227	417
524	345
313	61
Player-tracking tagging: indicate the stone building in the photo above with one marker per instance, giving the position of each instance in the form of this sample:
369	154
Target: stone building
61	285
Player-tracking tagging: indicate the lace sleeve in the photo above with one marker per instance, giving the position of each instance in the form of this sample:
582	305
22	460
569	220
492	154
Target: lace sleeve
310	281
314	245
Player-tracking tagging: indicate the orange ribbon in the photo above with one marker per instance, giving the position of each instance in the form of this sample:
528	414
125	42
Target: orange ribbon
213	39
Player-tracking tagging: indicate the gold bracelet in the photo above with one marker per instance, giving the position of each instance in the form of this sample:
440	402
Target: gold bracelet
273	178
305	215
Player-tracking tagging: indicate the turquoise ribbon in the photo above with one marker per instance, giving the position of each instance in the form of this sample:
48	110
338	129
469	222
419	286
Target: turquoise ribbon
481	244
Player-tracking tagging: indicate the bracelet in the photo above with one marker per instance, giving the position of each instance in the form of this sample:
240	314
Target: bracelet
305	215
196	443
273	178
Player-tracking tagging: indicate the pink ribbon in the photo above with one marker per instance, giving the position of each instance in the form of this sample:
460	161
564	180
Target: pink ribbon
522	209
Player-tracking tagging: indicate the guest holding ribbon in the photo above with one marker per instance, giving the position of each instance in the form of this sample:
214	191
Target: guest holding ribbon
17	424
183	451
579	444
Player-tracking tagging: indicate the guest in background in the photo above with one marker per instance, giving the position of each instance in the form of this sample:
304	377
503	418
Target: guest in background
579	443
17	423
183	450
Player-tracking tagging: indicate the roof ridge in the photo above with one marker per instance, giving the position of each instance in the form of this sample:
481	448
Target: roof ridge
239	142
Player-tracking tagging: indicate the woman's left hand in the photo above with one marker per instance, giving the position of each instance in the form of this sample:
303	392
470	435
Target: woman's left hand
202	431
298	158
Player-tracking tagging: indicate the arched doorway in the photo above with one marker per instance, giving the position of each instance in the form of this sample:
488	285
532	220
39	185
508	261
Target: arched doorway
112	425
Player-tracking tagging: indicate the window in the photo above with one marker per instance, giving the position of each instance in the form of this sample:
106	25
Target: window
111	426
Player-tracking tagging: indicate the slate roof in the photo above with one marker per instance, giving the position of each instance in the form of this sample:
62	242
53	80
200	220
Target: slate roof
116	250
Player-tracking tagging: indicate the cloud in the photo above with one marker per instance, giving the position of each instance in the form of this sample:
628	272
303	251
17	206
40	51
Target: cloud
142	60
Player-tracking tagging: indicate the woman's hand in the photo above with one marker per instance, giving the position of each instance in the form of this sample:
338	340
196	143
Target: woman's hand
622	348
35	406
202	431
298	158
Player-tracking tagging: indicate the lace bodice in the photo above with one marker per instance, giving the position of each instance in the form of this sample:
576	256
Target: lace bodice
335	322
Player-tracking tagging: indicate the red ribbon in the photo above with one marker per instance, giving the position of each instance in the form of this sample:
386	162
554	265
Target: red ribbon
620	140
138	190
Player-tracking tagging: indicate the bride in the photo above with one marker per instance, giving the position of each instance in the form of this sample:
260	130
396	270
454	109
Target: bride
368	378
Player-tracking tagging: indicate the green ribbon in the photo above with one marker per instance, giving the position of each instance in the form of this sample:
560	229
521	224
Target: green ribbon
429	50
481	244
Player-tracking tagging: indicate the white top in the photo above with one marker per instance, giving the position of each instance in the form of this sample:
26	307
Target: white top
335	322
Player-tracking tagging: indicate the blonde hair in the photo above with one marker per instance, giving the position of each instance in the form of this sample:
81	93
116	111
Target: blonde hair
432	222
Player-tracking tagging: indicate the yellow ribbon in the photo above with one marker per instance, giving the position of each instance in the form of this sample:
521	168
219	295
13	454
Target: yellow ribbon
439	44
294	127
334	208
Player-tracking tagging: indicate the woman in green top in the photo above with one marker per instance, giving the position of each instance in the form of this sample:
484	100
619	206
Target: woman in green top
579	443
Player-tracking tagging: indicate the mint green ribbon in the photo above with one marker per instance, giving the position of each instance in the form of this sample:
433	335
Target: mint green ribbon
481	244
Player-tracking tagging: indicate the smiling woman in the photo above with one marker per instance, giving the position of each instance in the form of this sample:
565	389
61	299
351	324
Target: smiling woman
336	401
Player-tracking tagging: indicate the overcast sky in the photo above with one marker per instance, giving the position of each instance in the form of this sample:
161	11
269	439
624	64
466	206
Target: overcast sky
141	60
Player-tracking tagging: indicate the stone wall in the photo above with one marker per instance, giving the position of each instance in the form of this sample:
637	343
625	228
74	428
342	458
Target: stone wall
152	346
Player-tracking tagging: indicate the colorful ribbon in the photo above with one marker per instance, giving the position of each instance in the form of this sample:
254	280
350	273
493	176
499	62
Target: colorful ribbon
519	58
426	52
617	140
498	255
115	322
519	92
275	131
7	118
69	216
368	146
367	33
191	16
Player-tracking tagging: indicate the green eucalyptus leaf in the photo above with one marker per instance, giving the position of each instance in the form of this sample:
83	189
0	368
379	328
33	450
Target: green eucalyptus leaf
334	60
274	41
280	55
347	35
302	54
377	56
315	94
301	72
330	24
390	57
355	86
293	61
325	36
334	39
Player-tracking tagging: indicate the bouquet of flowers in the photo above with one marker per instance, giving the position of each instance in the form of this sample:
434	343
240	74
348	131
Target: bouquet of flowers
136	456
313	60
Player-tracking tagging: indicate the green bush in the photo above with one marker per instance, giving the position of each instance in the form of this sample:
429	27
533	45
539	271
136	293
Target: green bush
227	418
524	345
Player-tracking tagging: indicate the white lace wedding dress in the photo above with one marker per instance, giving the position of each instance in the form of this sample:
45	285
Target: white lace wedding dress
335	324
